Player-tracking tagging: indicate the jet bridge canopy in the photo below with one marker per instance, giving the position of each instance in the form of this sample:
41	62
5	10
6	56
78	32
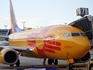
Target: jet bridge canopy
85	24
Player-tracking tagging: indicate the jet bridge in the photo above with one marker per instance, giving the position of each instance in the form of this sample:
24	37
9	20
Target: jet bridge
85	24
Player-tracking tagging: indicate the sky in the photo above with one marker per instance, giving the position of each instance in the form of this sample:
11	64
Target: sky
41	13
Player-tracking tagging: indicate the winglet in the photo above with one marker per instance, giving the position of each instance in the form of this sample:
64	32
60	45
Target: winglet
14	26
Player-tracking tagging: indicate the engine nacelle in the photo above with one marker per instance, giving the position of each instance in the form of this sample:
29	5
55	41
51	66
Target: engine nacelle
8	56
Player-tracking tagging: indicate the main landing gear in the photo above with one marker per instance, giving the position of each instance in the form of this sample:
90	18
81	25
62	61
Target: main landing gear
17	64
54	61
70	67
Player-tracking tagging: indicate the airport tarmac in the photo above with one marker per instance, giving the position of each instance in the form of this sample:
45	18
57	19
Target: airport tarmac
30	61
27	62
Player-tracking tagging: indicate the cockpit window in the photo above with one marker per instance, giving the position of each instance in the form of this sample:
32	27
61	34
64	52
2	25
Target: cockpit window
83	34
75	34
67	35
78	34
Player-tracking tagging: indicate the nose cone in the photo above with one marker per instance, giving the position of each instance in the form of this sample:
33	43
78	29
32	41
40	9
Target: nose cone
82	47
85	46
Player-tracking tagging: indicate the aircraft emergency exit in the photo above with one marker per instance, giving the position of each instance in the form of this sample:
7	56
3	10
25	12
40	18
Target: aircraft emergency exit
62	42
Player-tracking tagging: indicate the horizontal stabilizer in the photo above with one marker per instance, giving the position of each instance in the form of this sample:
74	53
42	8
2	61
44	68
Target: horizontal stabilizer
1	36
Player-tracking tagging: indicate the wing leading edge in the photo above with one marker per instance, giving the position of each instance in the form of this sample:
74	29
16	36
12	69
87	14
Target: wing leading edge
19	49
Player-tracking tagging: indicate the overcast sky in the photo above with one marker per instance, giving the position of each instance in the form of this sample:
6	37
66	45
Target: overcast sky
41	13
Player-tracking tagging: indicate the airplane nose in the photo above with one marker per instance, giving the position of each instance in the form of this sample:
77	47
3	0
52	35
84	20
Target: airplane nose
84	43
82	47
85	47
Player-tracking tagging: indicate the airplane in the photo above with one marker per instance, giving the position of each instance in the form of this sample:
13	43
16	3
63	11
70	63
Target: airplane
64	42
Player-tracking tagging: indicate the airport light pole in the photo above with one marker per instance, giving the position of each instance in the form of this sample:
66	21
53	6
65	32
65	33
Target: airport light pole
65	23
23	24
5	26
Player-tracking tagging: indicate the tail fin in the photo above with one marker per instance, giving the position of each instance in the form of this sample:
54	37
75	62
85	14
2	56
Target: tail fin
14	26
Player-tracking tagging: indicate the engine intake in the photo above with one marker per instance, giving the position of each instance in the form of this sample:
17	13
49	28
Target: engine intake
9	56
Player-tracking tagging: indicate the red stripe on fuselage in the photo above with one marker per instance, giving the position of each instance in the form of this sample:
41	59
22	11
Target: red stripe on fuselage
54	47
49	50
41	52
45	47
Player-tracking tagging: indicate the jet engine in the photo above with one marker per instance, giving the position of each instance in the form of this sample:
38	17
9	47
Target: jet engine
8	56
83	59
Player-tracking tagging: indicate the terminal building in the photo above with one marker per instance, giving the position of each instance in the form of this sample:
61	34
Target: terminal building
3	33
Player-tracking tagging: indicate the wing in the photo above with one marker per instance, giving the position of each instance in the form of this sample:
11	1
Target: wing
17	48
22	49
4	43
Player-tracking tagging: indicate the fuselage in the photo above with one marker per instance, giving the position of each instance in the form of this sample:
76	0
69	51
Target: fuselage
59	42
